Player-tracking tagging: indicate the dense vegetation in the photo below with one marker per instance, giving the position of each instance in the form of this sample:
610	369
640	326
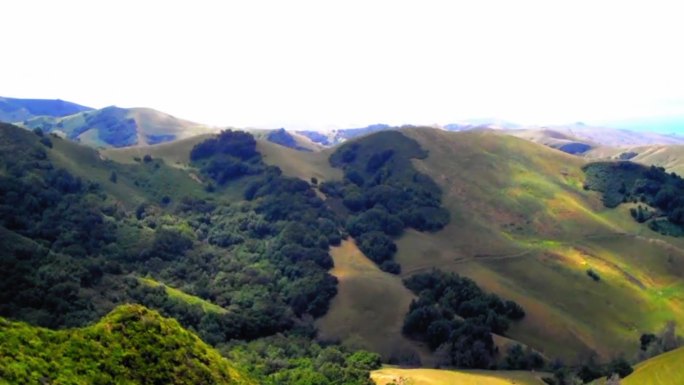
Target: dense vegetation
456	319
295	359
659	196
384	194
247	261
132	345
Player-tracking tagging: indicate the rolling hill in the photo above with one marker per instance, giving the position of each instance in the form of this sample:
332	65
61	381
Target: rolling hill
523	227
131	345
18	110
616	137
671	157
665	369
118	127
555	139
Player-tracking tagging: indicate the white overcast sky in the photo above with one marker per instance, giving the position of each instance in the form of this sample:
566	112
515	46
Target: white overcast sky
322	64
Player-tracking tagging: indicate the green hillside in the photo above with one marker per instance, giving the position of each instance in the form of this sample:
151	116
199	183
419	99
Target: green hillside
268	251
671	157
118	127
242	250
524	227
665	369
131	345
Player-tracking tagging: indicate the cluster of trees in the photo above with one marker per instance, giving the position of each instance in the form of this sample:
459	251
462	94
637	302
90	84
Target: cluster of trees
666	340
287	217
622	182
294	358
55	241
228	156
456	318
264	260
384	194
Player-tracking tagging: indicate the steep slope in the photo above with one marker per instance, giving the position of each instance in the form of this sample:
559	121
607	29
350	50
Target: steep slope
130	345
118	127
355	313
524	227
665	369
17	110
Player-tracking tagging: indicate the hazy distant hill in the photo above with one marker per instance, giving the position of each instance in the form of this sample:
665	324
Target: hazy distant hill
338	136
555	139
118	127
16	110
615	137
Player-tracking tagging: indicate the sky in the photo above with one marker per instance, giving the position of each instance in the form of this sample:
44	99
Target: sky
332	64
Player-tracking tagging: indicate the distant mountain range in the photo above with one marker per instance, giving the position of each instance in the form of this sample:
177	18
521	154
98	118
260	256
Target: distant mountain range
576	138
17	110
126	127
106	127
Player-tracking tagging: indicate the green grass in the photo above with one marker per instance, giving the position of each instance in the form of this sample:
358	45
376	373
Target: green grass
183	297
665	369
523	227
386	375
369	307
137	182
131	345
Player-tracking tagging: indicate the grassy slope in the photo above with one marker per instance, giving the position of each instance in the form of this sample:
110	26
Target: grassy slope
671	157
370	304
665	369
176	153
462	377
129	345
153	182
181	296
523	227
299	164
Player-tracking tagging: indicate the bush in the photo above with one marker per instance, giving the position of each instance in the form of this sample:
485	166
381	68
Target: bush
594	275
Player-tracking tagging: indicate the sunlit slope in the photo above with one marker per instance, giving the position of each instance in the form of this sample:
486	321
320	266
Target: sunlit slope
369	306
130	345
387	375
523	227
176	153
134	184
300	164
119	127
665	369
669	156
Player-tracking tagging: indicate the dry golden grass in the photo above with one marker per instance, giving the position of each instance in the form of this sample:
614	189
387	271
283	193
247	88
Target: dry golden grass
387	375
370	305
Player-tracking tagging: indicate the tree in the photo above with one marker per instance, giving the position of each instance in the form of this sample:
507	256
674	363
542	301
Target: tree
613	380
